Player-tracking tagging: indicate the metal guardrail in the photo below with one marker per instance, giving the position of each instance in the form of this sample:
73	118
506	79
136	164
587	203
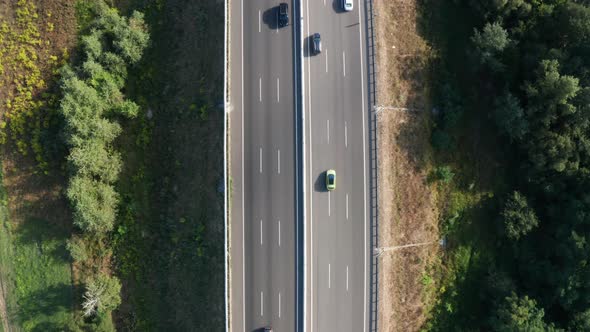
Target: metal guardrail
374	212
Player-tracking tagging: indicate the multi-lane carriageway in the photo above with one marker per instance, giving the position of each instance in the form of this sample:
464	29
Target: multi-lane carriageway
299	254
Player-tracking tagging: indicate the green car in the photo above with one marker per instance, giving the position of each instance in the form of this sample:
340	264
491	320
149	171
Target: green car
330	179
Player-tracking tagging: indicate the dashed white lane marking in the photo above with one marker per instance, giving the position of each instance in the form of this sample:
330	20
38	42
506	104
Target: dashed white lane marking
259	19
261	304
328	130
260	231
329	204
326	60
278	91
279	304
346	206
260	161
347	278
329	276
344	63
279	233
279	161
345	134
260	88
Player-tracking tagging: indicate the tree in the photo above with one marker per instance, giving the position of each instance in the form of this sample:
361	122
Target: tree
94	204
519	218
554	121
519	314
510	117
102	294
489	43
581	322
442	141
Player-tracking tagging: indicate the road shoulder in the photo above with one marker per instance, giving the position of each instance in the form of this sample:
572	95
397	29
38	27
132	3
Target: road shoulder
408	211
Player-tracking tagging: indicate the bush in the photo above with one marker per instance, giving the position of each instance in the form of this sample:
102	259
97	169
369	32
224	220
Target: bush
102	294
78	249
444	174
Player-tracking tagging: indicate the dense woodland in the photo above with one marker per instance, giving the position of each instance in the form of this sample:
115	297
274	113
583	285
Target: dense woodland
514	83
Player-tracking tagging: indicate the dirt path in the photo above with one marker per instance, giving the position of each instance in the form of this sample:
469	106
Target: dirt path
407	203
3	311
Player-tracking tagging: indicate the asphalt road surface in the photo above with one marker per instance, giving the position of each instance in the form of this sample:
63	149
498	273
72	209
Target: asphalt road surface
263	246
336	138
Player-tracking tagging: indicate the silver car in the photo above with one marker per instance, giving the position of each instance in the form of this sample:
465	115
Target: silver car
346	5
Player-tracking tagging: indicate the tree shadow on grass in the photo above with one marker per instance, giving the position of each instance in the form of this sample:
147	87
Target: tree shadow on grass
48	238
47	309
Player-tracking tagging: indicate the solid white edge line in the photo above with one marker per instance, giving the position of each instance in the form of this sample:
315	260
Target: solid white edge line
364	165
243	185
310	170
227	269
303	149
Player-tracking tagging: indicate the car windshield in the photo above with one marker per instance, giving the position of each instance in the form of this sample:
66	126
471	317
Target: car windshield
331	179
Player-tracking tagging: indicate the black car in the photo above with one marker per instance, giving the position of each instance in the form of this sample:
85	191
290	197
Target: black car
283	15
316	44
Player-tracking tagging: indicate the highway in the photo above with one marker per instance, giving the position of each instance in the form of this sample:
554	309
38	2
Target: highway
263	180
336	138
271	284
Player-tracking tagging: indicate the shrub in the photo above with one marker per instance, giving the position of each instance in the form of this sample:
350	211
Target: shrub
444	174
78	249
102	294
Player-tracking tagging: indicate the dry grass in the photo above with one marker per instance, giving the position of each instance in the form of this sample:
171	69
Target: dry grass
407	208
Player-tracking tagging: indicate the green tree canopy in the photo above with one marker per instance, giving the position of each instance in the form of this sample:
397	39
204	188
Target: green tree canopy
519	218
489	44
510	117
519	314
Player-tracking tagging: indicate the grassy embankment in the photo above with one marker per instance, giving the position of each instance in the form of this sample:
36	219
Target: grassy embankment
468	171
169	239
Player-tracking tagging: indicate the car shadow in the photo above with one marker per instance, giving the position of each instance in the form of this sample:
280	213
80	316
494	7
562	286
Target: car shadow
337	6
307	46
270	18
319	184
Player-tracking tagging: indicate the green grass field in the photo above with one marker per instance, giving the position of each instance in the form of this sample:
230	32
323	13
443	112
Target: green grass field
36	270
